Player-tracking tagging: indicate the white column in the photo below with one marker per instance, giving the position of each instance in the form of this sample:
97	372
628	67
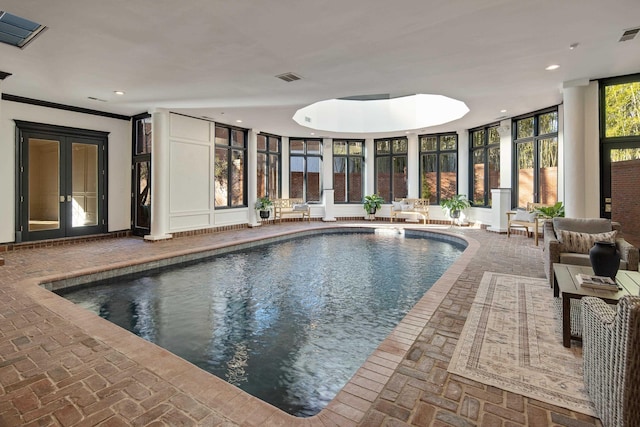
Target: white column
413	167
463	162
252	177
370	162
327	180
160	158
284	173
574	152
500	204
506	149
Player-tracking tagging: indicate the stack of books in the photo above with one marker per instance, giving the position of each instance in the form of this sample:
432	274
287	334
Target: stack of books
597	282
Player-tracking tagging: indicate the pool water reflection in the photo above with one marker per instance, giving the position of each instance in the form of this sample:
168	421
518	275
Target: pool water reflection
289	322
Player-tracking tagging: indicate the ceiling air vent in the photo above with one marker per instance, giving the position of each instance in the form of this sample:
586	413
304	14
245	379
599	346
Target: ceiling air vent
629	34
289	77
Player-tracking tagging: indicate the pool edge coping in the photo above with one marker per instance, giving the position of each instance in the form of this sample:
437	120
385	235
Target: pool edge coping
347	408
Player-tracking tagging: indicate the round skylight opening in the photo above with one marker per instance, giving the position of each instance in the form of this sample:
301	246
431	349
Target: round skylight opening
381	115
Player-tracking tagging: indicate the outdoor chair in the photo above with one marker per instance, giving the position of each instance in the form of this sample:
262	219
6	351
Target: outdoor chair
611	355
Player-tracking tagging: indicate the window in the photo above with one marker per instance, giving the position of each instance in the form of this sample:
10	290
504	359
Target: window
621	102
348	167
391	168
141	175
536	158
268	167
305	169
17	31
485	164
438	166
230	170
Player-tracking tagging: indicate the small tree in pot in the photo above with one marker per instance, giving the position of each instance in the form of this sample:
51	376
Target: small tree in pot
455	205
263	204
372	203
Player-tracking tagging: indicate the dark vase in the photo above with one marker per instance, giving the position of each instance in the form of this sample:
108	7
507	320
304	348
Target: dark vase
265	214
455	214
372	211
605	259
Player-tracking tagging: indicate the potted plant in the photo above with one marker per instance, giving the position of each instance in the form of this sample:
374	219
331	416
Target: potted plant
455	205
263	204
554	211
372	203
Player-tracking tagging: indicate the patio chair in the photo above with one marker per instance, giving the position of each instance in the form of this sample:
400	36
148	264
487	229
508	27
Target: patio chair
611	355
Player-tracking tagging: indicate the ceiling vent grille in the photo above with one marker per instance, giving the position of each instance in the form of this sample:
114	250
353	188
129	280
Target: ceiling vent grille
629	34
289	77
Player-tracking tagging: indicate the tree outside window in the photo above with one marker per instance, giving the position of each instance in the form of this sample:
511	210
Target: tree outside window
305	169
268	166
391	168
438	166
348	167
230	167
485	164
536	158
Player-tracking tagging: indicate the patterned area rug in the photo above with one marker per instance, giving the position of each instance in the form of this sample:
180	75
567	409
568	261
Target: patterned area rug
511	340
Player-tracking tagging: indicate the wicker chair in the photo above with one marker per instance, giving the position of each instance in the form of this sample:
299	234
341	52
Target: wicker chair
611	352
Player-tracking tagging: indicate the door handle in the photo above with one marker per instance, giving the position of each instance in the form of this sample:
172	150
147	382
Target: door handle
61	199
69	198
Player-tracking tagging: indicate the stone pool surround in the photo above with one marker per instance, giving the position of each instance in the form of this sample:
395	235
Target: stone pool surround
226	401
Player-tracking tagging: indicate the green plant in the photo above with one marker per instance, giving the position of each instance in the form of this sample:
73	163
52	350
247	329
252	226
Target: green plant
554	211
263	203
372	202
456	203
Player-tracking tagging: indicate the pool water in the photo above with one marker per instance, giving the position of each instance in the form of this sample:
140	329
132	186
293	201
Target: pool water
288	322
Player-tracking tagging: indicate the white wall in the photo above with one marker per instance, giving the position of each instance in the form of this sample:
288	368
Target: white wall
119	169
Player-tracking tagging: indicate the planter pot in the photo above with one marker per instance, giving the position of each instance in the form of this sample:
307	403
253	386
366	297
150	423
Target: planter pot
455	214
265	214
372	211
605	259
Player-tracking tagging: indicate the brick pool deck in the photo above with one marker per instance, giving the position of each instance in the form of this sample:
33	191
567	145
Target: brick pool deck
63	366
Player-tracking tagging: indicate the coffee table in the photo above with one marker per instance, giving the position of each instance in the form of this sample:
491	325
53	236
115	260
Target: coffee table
566	286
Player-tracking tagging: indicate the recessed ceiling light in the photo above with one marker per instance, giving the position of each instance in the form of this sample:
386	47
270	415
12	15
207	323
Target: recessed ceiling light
573	46
503	111
238	121
312	133
552	67
119	92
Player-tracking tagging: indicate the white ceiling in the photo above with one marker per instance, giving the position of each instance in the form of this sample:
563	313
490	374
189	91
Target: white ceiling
218	58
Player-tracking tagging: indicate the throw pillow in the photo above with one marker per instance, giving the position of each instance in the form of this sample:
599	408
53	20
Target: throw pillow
525	216
581	243
397	206
300	207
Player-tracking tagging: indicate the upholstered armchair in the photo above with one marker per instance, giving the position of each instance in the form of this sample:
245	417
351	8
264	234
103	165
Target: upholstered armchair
599	228
611	355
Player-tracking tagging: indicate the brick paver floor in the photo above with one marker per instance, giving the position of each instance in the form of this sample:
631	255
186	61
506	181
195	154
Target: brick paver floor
63	366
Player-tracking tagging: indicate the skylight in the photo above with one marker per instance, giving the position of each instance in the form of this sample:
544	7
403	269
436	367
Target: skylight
18	31
380	115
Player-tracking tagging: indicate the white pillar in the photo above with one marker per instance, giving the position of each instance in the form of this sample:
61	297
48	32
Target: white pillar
370	162
506	149
160	158
284	173
413	167
328	192
500	204
252	177
574	152
463	162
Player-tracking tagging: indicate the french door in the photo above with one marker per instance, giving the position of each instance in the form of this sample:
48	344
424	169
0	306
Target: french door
61	182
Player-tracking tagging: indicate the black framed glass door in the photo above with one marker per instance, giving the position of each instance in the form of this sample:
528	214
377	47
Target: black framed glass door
61	183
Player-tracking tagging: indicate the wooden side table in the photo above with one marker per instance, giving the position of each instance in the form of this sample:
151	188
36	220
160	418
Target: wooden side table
566	286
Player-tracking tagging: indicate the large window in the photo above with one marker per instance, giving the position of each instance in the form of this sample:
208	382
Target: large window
268	167
391	168
438	166
536	158
141	175
348	167
230	167
305	164
485	164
